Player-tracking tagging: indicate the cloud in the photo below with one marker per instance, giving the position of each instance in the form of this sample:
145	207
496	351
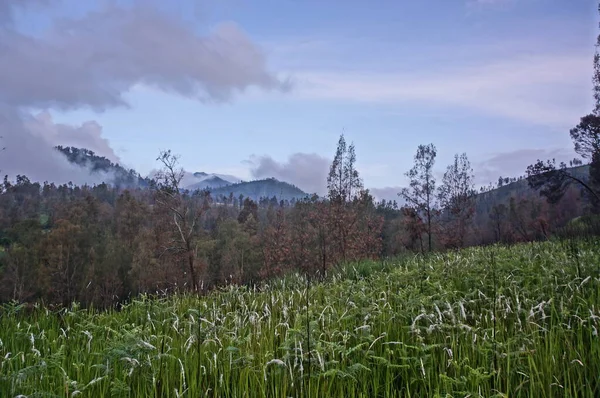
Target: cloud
308	171
537	89
88	135
29	153
94	61
514	163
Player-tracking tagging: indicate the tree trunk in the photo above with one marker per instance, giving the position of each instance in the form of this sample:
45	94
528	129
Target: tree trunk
191	256
429	227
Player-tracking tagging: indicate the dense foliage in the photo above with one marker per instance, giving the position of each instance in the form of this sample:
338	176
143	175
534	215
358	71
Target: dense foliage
102	244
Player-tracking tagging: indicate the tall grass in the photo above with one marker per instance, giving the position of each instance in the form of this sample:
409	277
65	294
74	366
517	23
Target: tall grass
521	323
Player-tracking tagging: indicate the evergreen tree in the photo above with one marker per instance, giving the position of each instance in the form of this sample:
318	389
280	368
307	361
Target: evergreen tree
421	192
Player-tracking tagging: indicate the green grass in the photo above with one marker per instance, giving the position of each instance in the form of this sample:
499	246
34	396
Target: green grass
497	321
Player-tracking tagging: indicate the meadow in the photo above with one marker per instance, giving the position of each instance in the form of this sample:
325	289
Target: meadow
496	321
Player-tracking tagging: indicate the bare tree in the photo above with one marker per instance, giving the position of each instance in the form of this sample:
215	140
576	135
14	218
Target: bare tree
421	193
186	209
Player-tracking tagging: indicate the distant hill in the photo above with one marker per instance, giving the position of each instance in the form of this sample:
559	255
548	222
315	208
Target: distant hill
502	194
217	184
209	183
117	175
227	177
223	185
202	180
266	188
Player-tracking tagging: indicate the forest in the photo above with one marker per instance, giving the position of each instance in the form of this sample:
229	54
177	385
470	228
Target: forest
105	244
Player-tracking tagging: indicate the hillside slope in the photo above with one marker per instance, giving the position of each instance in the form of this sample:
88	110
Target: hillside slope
411	327
520	188
266	188
117	175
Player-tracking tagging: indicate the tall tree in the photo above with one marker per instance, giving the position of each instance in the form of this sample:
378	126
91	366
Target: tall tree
344	186
343	181
586	137
456	197
186	210
421	192
553	181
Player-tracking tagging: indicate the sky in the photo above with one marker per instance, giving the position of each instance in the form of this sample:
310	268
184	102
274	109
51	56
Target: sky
265	88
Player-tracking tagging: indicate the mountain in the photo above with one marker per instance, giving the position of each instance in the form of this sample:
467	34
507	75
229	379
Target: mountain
202	180
116	174
518	187
266	188
217	184
224	185
209	183
227	177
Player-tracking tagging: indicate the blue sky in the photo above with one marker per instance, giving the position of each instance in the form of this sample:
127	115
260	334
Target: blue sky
502	80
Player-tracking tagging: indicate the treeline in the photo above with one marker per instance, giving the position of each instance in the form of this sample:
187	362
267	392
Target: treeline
100	165
100	245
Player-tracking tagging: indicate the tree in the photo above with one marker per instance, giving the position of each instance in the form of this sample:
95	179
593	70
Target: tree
234	255
344	186
498	218
304	235
276	245
554	181
321	221
343	181
367	237
65	259
586	137
500	182
414	227
250	208
575	162
528	218
456	197
20	268
130	217
186	210
421	192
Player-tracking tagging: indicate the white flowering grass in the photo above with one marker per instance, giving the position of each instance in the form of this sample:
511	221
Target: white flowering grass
456	324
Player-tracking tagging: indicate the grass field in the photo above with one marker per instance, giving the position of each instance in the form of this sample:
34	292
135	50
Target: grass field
496	321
